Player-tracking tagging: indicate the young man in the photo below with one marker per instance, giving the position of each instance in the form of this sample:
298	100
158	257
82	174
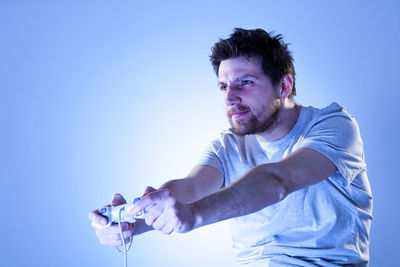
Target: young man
292	178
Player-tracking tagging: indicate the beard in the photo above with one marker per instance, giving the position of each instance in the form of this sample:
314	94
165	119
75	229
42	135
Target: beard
254	124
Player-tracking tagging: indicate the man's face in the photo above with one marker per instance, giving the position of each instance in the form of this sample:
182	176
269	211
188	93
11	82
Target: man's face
251	102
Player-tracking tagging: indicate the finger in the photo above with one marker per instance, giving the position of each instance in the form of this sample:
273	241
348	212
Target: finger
167	230
115	235
148	200
117	199
96	217
172	226
154	213
114	228
159	223
113	238
168	227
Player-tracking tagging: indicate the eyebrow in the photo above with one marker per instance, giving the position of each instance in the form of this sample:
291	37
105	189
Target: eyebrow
241	78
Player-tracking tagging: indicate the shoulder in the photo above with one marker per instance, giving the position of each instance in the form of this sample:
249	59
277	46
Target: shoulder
333	110
333	132
333	117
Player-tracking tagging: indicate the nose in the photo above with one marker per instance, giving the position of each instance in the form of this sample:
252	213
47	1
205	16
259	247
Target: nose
232	96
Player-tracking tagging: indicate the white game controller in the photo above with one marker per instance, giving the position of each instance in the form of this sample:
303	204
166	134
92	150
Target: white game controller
112	213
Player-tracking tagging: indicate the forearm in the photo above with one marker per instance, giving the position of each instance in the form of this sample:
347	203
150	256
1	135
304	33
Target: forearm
200	182
181	189
257	189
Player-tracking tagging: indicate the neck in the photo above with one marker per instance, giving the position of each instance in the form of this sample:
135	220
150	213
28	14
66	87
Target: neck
287	118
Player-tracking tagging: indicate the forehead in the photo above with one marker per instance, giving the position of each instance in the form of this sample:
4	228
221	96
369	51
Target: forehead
233	68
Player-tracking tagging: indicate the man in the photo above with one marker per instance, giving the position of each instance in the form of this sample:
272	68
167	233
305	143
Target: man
292	179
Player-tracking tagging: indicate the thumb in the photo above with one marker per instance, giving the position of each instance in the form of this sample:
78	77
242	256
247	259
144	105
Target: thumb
117	200
148	190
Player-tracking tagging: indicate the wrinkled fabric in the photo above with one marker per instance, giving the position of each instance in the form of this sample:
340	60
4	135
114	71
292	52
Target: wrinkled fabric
325	224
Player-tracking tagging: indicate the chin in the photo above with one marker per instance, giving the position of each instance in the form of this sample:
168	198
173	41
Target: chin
239	127
238	133
241	131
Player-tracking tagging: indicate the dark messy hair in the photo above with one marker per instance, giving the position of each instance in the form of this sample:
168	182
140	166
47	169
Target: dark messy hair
277	60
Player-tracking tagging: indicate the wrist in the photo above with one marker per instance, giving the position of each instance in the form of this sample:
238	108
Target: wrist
198	219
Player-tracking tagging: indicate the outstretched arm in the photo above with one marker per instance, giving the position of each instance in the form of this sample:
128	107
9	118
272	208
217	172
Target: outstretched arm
201	181
262	186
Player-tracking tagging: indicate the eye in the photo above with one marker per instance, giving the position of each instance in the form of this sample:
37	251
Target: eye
246	82
223	87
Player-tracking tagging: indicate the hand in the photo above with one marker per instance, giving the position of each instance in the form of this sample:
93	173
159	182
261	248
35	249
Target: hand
110	236
166	213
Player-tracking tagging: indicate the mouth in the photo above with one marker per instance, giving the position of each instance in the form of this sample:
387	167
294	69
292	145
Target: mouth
237	111
239	114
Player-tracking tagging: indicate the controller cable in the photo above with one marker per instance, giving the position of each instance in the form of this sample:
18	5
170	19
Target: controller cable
125	252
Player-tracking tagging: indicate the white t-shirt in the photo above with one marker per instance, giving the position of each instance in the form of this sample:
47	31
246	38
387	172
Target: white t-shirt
326	224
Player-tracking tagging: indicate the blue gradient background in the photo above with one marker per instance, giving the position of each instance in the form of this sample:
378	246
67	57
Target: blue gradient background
98	97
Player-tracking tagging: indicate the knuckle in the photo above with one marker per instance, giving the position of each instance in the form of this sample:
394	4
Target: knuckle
166	231
149	221
176	221
156	225
167	192
172	201
152	197
174	211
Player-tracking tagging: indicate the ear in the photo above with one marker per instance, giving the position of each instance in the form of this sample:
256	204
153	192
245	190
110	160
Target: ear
285	86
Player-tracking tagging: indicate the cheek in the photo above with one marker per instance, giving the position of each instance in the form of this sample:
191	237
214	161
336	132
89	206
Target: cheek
262	108
260	104
223	100
226	107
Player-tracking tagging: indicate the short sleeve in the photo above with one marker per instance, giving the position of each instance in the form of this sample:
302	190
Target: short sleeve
210	156
335	134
